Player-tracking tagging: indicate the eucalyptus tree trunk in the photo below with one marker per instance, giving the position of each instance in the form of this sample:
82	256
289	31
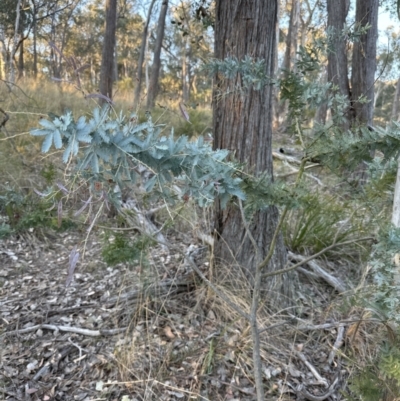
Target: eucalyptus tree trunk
363	71
139	72
275	91
291	46
34	33
337	52
322	111
107	58
292	36
15	42
21	64
364	62
185	71
3	54
396	199
155	69
242	121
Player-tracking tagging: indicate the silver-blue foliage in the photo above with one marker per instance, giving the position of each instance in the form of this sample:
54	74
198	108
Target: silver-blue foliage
116	146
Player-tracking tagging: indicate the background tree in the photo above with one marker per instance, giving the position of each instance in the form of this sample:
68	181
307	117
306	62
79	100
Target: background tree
243	124
364	62
139	71
360	94
337	50
107	59
155	69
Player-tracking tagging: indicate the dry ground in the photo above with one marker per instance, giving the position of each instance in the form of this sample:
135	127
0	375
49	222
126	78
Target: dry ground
151	332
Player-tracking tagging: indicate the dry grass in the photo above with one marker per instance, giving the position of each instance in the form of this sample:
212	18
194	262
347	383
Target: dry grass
28	101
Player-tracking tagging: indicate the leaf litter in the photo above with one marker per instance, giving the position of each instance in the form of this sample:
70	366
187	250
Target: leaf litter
130	332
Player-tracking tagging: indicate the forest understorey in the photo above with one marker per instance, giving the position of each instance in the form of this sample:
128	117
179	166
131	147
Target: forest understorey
156	333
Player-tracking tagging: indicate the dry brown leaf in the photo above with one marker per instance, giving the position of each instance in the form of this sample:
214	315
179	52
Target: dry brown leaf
168	332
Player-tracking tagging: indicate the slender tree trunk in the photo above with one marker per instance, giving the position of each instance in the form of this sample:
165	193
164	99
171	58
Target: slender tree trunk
53	54
364	62
291	45
107	59
3	54
193	84
139	72
292	37
34	33
322	111
337	52
21	66
243	124
275	91
185	73
115	63
15	42
155	69
396	102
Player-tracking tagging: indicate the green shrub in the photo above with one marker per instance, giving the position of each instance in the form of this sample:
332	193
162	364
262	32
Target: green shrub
380	380
121	249
319	223
25	211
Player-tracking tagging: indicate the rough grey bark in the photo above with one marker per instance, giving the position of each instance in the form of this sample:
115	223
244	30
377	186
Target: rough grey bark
364	62
337	51
139	72
107	58
155	69
243	124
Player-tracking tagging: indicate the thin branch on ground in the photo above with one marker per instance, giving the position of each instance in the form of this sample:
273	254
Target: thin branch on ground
306	260
313	370
333	281
69	329
337	345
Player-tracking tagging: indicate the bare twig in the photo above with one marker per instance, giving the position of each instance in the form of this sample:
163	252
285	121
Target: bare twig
77	330
306	260
5	119
289	159
320	379
254	306
337	345
336	283
303	393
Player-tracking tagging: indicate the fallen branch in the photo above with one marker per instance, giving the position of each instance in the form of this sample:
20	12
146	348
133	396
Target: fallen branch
69	329
337	345
320	379
336	283
302	393
335	245
289	159
136	218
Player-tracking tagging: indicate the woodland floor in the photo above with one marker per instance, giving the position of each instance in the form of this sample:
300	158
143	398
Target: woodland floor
147	333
